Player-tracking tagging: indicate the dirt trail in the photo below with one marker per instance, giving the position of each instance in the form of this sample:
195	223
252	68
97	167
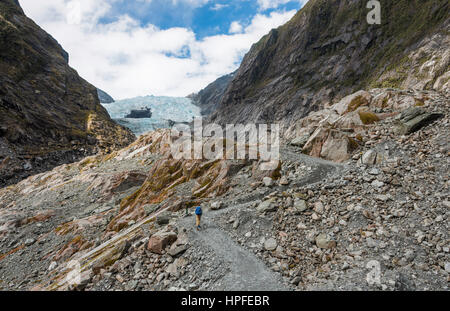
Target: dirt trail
247	272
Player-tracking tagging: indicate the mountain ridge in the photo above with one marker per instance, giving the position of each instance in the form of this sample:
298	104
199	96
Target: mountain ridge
49	115
328	51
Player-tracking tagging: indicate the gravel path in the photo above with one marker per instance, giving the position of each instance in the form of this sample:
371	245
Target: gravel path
246	271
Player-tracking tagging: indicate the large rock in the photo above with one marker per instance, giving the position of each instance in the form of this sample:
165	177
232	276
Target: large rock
413	119
159	241
352	102
330	144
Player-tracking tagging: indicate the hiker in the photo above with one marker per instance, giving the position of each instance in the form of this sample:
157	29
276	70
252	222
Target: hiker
198	216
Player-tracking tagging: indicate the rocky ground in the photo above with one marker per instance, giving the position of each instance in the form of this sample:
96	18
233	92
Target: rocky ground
376	221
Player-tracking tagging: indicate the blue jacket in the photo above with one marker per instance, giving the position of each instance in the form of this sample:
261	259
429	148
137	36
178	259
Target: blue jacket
198	211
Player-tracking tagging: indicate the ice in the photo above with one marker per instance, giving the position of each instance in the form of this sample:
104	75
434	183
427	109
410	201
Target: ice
177	109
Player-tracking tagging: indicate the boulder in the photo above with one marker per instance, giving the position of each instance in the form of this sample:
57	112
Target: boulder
338	147
352	102
159	241
413	119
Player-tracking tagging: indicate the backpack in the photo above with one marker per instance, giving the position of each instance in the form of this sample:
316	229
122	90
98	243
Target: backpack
199	211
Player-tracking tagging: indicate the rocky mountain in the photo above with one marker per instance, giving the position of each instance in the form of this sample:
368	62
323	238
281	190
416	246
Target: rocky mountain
125	221
210	97
357	201
49	115
328	51
104	97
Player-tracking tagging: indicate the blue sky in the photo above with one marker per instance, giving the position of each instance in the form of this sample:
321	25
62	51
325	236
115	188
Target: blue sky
214	17
134	48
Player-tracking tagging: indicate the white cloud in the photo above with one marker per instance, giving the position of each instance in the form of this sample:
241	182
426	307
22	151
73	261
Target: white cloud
235	27
273	4
219	6
127	59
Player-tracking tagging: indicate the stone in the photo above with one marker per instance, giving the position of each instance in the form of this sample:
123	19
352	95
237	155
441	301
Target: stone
324	241
337	146
84	279
413	119
159	241
284	181
268	182
382	197
369	158
174	251
215	206
163	219
300	206
318	208
267	206
377	184
352	102
270	244
374	171
172	269
300	141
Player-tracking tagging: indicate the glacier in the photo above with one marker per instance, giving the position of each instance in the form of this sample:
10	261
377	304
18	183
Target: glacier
164	108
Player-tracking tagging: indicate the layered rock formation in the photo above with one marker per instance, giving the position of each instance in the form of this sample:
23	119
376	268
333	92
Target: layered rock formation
48	114
335	133
328	50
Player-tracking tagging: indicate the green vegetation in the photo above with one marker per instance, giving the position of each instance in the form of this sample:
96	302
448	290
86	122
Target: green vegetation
368	117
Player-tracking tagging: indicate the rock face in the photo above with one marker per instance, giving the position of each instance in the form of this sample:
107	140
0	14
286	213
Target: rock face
413	119
336	132
328	50
49	115
104	97
209	98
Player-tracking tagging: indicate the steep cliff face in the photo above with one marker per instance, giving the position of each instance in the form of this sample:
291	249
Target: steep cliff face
328	51
48	114
104	97
210	97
